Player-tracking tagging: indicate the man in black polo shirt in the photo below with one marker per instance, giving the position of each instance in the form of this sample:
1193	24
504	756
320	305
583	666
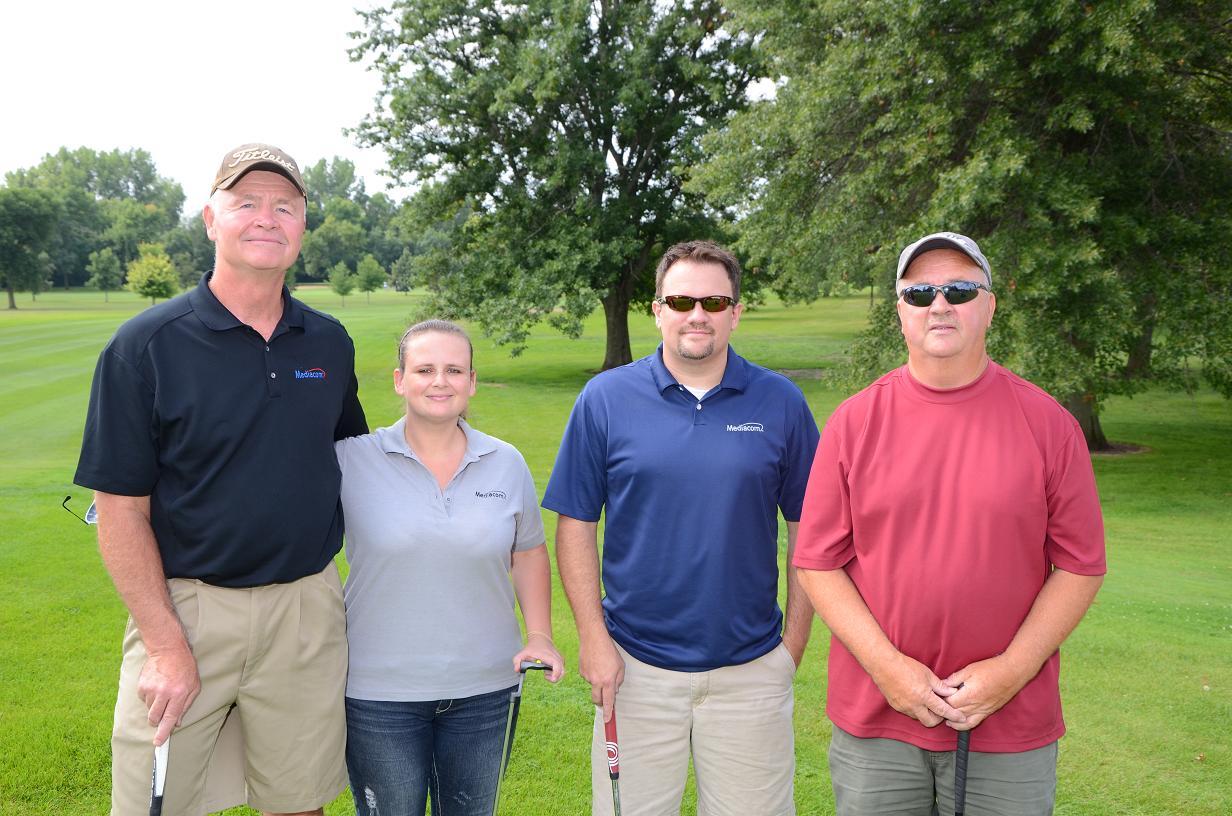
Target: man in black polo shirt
209	443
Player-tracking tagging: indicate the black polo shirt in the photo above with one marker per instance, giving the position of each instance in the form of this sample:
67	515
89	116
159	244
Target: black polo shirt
231	437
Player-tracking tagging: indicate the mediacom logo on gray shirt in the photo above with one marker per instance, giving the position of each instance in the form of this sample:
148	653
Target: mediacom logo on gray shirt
491	494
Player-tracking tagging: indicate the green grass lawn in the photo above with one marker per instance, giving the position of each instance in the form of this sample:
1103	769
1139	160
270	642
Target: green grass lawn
1147	678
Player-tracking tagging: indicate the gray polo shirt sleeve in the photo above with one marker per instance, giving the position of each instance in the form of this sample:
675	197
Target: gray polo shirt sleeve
529	521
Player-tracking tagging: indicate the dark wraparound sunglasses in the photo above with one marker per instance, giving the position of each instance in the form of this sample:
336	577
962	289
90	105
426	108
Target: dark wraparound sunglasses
684	303
923	294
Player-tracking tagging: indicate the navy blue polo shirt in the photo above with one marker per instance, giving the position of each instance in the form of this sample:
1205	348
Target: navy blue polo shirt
231	437
691	490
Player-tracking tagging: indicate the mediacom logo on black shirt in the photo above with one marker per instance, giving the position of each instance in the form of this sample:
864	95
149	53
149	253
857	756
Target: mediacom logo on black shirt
310	374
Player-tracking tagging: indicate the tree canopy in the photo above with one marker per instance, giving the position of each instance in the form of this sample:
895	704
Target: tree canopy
341	280
104	269
369	275
1086	146
105	198
27	218
116	200
562	129
151	274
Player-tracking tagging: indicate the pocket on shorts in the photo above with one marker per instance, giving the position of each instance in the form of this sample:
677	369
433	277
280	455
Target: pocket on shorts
185	597
788	662
322	620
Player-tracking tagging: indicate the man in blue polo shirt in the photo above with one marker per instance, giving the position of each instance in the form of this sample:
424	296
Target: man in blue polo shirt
691	453
209	444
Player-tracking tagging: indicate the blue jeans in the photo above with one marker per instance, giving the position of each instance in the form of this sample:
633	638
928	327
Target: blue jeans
399	751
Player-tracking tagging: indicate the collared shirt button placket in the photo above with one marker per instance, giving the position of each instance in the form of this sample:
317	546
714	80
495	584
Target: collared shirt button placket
268	360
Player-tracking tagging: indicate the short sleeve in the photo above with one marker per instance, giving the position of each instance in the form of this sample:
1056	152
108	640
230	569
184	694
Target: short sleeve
578	485
824	541
340	451
529	523
1075	537
119	448
352	421
797	463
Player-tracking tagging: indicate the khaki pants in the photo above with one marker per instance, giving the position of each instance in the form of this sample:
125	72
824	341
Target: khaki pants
272	659
734	722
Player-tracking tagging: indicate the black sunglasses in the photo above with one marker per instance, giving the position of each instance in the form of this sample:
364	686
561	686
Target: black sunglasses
923	294
684	303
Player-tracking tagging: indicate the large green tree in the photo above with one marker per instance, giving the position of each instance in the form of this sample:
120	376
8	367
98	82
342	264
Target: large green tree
563	125
1085	145
27	219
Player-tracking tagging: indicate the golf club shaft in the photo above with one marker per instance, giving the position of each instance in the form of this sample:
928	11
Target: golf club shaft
613	760
960	772
511	725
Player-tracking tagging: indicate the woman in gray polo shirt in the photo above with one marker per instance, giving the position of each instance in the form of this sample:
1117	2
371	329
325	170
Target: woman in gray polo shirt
438	516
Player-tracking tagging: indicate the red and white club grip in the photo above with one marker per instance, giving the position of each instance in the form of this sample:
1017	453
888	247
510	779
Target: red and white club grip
613	748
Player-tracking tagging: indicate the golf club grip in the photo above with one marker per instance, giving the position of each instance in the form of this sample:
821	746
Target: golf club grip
159	777
960	772
613	747
533	665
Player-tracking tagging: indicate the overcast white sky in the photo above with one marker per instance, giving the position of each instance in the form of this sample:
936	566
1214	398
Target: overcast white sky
186	81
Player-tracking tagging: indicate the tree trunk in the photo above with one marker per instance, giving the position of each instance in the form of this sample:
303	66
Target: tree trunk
1138	365
616	313
12	299
1085	410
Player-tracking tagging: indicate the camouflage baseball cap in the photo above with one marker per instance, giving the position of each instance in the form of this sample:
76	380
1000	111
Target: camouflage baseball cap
247	157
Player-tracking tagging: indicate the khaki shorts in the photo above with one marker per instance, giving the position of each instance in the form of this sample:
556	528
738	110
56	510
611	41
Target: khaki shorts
734	722
273	662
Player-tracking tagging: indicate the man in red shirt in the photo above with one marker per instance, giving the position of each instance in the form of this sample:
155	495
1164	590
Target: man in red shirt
951	539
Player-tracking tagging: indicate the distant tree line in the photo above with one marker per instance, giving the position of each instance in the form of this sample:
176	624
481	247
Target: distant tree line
108	220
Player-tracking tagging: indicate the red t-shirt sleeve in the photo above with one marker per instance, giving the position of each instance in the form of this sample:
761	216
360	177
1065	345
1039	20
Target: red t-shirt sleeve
1075	536
824	541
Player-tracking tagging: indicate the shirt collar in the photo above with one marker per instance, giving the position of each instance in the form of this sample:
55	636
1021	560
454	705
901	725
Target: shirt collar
217	317
392	439
735	373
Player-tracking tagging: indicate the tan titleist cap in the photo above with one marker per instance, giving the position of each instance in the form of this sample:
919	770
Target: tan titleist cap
247	157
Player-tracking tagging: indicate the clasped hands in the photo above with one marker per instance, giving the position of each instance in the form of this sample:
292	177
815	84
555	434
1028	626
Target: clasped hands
962	701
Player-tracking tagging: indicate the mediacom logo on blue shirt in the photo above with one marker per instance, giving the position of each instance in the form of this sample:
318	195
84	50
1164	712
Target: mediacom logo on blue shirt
310	374
754	427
